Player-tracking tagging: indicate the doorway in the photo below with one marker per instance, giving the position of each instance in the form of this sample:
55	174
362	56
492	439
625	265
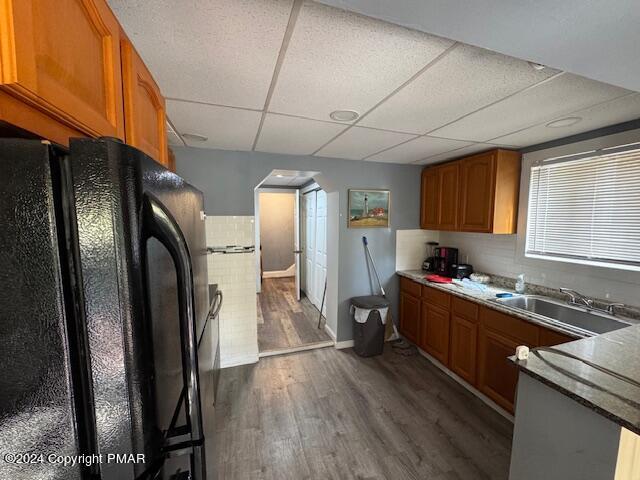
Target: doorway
293	264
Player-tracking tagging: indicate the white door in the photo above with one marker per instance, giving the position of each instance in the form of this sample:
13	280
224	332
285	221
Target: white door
309	247
296	241
320	260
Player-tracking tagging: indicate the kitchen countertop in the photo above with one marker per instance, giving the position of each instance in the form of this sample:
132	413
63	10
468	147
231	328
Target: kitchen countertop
618	351
488	298
611	397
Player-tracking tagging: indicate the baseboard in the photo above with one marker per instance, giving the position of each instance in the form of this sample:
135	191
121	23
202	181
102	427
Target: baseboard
302	348
470	388
344	344
330	332
289	272
237	360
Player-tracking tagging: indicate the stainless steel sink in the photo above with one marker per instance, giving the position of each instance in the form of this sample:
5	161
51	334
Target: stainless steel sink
581	318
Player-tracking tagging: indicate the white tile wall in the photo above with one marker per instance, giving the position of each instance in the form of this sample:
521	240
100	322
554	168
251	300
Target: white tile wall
235	276
230	230
411	249
499	254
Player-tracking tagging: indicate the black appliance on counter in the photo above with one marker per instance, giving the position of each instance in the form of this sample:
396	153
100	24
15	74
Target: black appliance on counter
462	270
445	259
103	301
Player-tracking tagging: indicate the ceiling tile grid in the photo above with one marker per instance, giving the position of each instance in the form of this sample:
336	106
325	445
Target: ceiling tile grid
463	81
357	143
216	51
557	96
294	135
225	128
337	60
417	149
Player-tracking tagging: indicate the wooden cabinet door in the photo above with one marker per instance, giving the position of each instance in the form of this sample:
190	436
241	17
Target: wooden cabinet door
448	196
477	187
144	107
549	338
63	57
463	349
434	332
497	376
409	316
429	199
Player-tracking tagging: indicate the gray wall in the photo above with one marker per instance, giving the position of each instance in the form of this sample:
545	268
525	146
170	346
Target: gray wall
277	230
228	179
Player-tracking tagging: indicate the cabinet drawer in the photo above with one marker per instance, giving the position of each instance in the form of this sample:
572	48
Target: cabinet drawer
410	287
509	326
465	308
549	338
436	297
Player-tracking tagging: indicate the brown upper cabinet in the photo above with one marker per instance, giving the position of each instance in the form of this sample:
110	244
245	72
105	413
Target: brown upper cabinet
62	58
473	194
144	107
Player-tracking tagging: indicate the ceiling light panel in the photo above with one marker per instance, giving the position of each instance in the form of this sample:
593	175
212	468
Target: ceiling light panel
225	128
358	142
417	149
466	79
295	136
218	51
337	59
554	98
620	110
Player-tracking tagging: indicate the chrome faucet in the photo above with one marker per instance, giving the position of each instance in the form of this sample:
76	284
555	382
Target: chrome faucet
576	298
611	307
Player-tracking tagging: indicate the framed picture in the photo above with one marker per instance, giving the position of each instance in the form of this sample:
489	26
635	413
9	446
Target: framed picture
369	208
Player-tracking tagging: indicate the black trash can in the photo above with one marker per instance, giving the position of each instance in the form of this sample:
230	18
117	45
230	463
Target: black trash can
369	313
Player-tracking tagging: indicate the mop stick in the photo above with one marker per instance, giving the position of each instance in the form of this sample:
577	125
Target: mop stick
322	304
388	332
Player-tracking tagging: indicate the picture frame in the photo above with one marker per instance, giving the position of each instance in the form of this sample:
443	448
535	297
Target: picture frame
368	208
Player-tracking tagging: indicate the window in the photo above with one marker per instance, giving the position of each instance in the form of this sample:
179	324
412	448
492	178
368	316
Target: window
585	208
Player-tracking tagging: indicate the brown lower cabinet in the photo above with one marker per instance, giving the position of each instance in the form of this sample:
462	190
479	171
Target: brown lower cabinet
409	316
434	332
473	341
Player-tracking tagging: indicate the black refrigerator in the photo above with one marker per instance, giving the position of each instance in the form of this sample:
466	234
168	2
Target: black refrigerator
104	297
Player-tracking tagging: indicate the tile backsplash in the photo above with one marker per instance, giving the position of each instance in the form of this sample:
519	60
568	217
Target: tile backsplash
499	255
235	276
411	249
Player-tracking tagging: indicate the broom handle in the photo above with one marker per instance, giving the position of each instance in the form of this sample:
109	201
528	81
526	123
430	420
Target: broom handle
366	247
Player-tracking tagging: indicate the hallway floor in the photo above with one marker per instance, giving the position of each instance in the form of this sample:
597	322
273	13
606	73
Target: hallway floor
329	414
284	322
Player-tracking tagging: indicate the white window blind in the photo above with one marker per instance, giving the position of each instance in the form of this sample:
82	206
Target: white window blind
586	208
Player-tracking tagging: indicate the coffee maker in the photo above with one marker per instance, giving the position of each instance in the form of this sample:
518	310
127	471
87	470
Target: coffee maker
446	260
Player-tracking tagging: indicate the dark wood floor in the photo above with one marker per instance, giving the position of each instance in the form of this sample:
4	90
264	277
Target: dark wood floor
284	322
329	414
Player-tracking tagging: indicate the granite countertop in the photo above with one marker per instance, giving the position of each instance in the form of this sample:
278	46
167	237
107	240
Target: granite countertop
609	396
618	351
488	298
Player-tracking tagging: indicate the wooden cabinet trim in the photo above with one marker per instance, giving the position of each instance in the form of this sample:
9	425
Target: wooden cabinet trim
410	287
465	308
436	297
20	77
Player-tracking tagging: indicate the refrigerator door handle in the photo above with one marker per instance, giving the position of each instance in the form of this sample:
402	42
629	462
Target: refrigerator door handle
218	304
158	222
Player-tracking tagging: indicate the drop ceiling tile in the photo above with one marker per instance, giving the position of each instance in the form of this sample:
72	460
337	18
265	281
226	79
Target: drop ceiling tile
358	142
460	152
558	96
464	80
338	60
217	51
226	128
619	110
417	149
295	136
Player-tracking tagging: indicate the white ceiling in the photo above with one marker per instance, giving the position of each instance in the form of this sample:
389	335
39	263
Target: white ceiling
288	178
264	75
